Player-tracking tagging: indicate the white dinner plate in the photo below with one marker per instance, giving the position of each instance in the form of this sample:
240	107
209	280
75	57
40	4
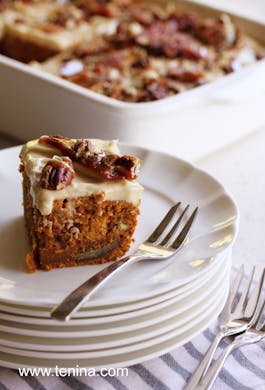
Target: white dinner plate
163	336
131	308
195	293
13	360
68	344
166	179
157	318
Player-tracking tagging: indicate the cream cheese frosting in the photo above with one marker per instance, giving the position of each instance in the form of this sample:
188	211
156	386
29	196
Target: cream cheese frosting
25	21
35	156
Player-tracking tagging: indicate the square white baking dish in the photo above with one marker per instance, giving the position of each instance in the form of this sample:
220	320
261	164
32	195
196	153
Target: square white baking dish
191	124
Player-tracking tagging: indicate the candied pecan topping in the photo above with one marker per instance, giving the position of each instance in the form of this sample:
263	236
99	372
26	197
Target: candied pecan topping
109	63
98	45
58	141
135	63
146	14
82	148
104	73
126	74
110	167
118	167
156	35
57	174
217	32
185	22
124	164
188	75
85	78
58	136
103	8
158	89
114	59
123	36
142	14
141	62
164	38
161	88
100	165
98	78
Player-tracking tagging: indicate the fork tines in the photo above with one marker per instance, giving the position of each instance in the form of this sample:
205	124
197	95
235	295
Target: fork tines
247	302
167	234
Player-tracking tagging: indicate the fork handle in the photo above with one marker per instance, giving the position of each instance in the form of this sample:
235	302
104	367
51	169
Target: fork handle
205	363
209	378
238	341
65	310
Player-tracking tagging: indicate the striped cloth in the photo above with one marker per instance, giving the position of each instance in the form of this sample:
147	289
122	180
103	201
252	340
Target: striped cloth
244	370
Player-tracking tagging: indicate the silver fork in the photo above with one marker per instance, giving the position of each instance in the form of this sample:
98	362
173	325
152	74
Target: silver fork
252	335
231	321
160	245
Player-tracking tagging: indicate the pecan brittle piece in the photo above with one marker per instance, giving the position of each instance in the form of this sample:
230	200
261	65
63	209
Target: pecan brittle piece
217	32
164	38
187	74
96	163
109	9
82	148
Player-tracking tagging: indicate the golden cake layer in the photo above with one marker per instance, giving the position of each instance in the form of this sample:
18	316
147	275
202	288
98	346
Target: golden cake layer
81	201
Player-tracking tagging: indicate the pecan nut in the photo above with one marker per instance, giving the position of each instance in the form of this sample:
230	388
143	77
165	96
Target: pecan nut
219	32
57	174
83	148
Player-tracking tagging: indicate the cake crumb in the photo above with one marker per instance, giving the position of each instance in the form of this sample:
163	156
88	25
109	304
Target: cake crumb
30	262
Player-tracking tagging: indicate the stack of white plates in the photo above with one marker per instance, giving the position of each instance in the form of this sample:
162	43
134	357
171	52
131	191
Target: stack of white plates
148	309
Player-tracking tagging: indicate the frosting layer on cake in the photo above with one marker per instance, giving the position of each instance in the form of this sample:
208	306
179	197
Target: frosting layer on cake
35	155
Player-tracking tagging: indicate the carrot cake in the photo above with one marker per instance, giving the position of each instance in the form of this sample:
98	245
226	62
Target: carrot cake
39	30
81	201
154	53
130	50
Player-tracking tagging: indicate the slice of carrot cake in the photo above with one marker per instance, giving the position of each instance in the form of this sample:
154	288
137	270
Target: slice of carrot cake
81	201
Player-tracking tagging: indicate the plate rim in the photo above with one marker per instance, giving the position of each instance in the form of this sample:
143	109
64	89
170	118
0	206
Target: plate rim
109	312
207	302
43	331
146	356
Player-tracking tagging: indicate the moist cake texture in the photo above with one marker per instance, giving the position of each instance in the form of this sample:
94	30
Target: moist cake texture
81	201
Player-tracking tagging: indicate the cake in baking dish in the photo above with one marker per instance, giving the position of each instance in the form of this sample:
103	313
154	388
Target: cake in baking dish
81	201
156	52
36	30
39	30
129	50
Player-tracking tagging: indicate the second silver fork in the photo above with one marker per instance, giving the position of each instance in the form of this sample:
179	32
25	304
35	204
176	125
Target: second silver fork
231	321
255	333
